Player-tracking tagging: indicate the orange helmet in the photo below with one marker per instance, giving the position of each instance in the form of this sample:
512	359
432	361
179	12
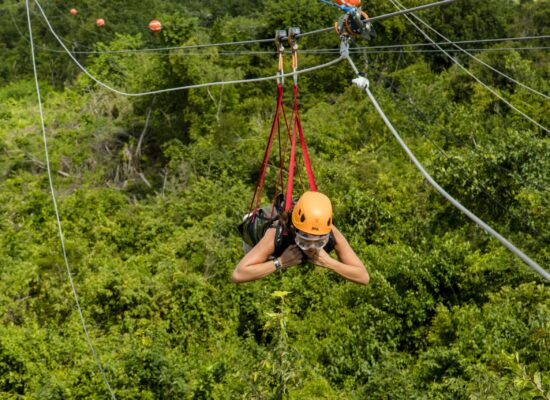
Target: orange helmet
313	214
349	3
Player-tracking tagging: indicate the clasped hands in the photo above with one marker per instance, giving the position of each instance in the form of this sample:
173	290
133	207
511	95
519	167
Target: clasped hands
293	255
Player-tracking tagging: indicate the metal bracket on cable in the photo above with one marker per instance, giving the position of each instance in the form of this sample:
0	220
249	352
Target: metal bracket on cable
363	84
280	37
293	34
344	46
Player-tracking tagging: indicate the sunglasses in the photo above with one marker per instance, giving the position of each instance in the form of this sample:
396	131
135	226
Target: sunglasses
306	241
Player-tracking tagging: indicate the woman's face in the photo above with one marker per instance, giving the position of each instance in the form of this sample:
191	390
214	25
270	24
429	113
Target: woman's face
307	242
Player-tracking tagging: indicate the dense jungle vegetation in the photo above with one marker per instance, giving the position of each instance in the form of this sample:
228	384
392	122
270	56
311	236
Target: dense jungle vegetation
151	190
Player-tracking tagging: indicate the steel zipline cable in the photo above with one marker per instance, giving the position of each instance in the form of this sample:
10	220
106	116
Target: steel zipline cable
48	164
471	41
462	170
402	48
407	101
407	51
385	16
253	41
60	41
50	178
174	89
393	50
526	87
56	209
536	267
487	87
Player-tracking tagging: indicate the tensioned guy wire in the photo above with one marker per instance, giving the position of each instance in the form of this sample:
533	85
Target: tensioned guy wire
483	50
381	47
56	208
472	41
463	172
407	99
195	86
254	41
371	50
405	50
442	191
487	87
530	89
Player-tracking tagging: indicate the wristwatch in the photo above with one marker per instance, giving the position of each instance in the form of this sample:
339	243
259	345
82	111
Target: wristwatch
278	264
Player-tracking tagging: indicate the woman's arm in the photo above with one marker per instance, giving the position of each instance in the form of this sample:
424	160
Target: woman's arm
256	264
348	264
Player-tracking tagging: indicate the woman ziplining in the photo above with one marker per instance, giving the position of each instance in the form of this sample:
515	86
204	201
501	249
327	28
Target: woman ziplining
278	237
304	235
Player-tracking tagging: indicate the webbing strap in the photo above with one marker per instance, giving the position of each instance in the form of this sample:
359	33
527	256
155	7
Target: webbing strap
261	178
307	163
290	180
282	152
297	127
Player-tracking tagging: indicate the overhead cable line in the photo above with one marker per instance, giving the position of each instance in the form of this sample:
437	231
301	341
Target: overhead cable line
354	50
187	47
463	171
130	51
398	46
43	48
442	191
174	89
70	41
388	50
526	87
56	209
311	51
70	19
404	50
15	23
371	50
471	41
197	46
488	49
335	51
253	41
487	87
407	99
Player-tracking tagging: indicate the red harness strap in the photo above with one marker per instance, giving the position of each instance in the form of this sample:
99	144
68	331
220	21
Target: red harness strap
296	132
297	127
275	126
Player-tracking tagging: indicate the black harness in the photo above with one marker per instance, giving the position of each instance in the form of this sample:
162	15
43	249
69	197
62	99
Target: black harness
252	230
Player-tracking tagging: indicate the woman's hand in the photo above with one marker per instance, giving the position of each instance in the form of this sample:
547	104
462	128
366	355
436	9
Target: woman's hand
291	256
319	257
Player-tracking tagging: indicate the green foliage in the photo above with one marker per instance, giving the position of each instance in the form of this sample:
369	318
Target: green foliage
150	192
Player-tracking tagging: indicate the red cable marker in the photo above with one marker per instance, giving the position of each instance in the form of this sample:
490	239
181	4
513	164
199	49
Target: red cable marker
155	25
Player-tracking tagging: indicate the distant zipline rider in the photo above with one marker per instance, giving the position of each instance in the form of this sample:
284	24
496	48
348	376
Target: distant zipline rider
284	235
